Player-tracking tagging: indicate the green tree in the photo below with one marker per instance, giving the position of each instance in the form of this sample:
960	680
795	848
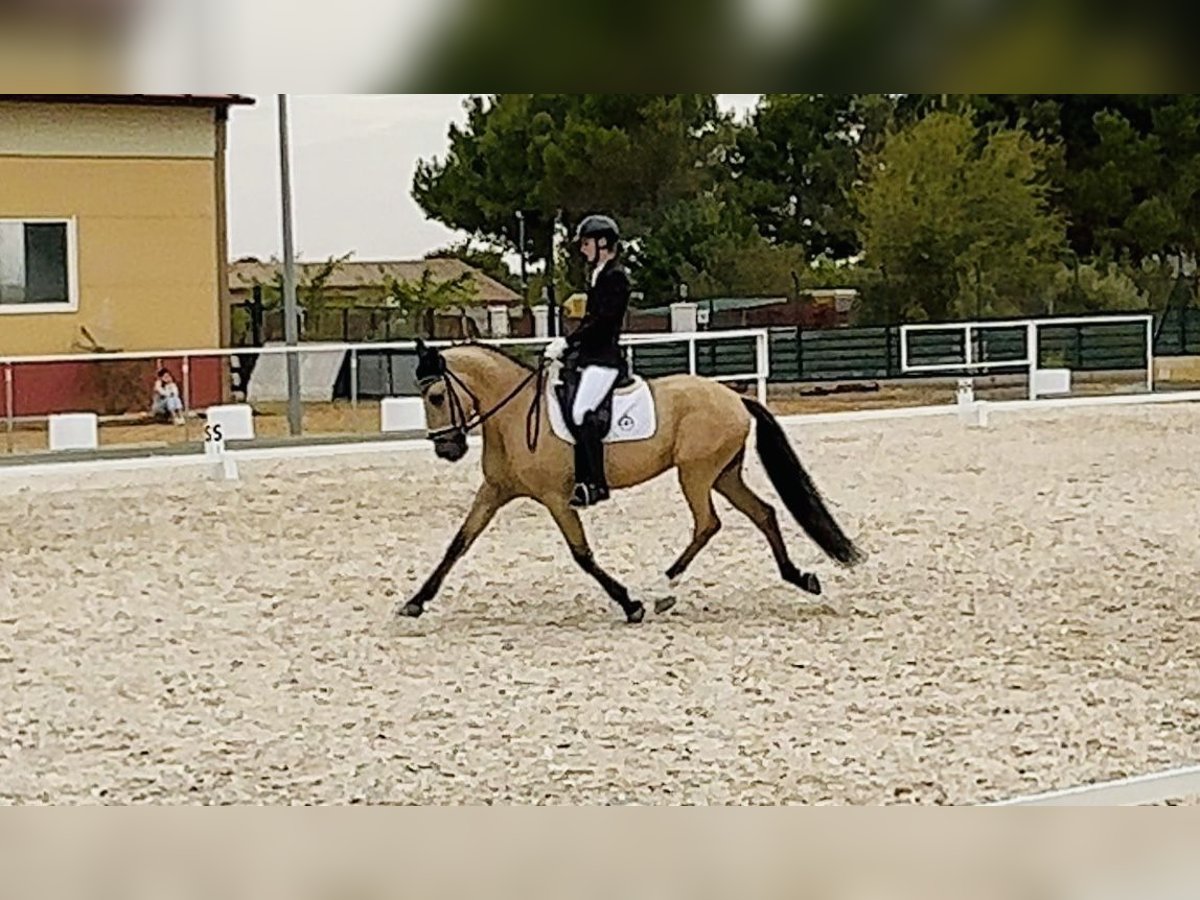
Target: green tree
796	167
960	218
486	259
313	289
312	284
566	155
1091	288
1125	168
714	247
418	302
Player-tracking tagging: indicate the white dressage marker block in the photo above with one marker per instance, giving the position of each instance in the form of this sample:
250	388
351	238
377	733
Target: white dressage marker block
966	392
225	467
402	414
971	411
74	431
1051	382
235	420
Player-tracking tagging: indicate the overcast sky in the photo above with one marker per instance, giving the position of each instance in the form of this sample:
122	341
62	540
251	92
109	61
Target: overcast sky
353	158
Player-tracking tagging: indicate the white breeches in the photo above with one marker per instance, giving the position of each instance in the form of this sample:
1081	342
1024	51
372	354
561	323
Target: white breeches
594	384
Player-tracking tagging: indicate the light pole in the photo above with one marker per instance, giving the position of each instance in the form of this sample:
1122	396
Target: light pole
521	249
554	325
290	325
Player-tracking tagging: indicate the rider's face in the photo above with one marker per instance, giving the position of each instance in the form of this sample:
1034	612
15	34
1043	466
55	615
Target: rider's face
589	248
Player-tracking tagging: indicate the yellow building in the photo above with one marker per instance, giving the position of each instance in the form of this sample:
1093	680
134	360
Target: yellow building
112	222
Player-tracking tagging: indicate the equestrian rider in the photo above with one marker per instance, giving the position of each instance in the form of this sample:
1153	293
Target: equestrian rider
593	349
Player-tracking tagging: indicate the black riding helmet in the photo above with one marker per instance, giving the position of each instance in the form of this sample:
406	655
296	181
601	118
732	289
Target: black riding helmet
602	228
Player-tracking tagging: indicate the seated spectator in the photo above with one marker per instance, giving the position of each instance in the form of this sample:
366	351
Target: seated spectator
166	399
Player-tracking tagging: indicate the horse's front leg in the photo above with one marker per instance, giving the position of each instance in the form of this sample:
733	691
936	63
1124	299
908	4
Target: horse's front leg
572	529
488	501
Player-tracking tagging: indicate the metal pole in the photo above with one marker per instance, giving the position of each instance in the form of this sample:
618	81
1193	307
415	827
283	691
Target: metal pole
290	324
187	393
552	323
1031	341
1150	352
764	365
521	250
354	385
8	406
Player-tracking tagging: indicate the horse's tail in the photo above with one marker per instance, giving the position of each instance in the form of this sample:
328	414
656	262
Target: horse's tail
797	490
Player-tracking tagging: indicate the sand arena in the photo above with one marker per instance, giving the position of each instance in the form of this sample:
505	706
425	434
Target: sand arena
1028	619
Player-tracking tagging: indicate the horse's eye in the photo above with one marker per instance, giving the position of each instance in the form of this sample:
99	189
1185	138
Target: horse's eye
437	399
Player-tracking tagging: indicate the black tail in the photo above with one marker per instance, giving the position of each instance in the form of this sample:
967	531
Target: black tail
797	490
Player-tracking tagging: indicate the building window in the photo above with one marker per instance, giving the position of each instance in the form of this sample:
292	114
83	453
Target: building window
37	266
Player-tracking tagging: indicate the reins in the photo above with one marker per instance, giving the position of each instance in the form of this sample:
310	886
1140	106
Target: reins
460	422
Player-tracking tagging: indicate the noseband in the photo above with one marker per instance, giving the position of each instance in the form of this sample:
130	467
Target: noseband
461	423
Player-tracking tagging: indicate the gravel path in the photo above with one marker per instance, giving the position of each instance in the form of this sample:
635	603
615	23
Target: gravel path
1029	619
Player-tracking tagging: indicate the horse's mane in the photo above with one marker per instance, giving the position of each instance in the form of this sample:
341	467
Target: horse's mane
498	351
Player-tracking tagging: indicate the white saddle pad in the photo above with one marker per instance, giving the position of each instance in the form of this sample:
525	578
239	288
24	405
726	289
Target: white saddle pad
633	415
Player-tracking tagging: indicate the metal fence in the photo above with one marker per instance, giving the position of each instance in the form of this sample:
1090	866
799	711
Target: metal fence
874	353
118	386
797	354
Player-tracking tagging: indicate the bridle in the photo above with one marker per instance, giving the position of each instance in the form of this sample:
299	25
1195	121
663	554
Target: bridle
461	423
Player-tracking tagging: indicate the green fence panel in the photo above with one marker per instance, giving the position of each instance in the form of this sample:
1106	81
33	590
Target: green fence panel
845	353
874	353
1177	332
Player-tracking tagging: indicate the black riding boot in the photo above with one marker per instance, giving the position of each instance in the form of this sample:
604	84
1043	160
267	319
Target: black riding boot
591	486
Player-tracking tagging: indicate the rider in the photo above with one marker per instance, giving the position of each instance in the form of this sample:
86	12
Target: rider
593	349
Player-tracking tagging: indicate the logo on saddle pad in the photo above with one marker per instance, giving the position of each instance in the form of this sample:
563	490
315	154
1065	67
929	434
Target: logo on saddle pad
633	414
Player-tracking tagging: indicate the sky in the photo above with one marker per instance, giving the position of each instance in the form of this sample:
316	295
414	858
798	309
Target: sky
353	158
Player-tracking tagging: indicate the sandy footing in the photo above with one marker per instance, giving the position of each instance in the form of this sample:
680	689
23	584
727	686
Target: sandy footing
1028	619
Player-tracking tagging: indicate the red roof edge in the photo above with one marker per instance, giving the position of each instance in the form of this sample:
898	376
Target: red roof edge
217	100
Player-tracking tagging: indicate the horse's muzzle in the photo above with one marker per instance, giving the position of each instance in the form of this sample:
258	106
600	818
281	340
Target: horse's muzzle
452	447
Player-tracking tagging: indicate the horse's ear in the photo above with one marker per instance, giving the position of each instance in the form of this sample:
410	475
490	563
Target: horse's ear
429	362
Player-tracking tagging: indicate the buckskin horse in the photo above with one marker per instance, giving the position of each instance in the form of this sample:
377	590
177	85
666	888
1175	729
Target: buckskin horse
700	427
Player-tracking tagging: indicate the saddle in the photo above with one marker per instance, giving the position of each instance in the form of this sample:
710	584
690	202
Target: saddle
568	386
626	414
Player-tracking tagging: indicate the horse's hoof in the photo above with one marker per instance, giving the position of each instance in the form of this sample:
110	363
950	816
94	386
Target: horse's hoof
411	609
810	582
635	613
664	605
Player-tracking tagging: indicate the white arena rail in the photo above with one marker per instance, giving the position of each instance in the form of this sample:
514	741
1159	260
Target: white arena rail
1140	790
1029	328
9	365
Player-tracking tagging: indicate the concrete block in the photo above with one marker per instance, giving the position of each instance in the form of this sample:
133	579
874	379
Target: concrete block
402	414
74	431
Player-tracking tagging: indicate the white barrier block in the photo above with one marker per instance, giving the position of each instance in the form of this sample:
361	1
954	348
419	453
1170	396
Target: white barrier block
402	414
965	400
1048	382
225	467
235	421
74	431
966	390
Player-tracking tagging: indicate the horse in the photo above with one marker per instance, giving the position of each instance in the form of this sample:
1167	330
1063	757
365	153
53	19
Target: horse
702	428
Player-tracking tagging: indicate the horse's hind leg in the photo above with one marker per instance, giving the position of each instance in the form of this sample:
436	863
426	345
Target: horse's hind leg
733	488
697	479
